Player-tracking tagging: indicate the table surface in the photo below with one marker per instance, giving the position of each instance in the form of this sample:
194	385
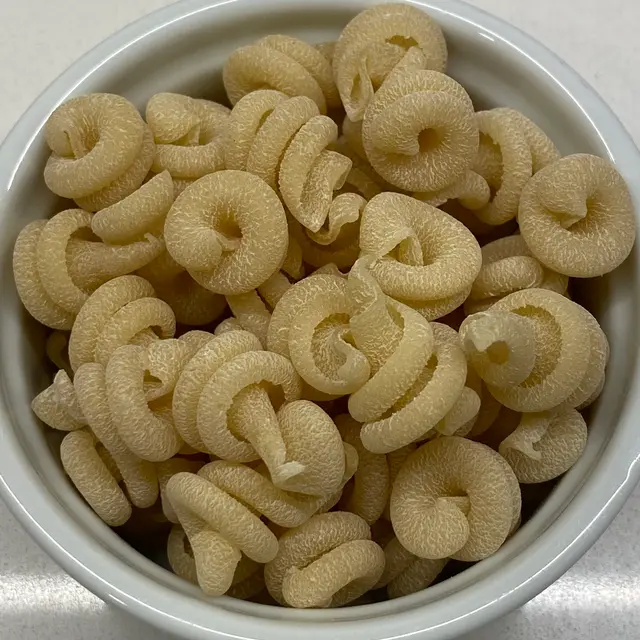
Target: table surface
598	598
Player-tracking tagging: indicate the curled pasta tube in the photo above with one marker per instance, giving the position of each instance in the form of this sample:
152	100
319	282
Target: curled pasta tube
471	191
467	497
141	415
234	401
505	161
310	325
219	528
576	216
427	258
194	377
396	341
189	134
327	562
373	43
165	470
192	304
369	493
57	406
127	183
98	313
285	64
92	477
31	290
227	326
419	131
94	139
395	460
545	445
508	266
142	212
138	475
404	573
552	332
426	402
229	230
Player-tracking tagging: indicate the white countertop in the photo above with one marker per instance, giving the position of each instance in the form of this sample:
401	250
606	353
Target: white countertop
598	598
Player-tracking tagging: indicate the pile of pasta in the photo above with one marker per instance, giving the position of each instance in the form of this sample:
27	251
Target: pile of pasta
326	330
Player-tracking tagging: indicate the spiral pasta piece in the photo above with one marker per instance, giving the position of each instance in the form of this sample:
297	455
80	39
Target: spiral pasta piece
327	562
577	218
367	497
471	191
94	139
220	529
57	350
310	325
142	414
285	64
405	573
137	475
508	266
189	135
165	470
545	445
426	402
419	131
229	231
505	161
373	43
127	183
427	258
92	477
533	348
101	311
57	406
454	498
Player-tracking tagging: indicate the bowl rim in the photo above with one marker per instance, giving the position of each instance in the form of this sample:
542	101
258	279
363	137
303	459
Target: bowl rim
584	519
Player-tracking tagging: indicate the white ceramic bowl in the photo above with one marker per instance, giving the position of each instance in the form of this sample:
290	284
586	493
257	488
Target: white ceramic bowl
182	48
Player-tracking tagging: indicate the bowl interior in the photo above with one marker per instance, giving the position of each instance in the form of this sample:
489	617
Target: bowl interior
186	56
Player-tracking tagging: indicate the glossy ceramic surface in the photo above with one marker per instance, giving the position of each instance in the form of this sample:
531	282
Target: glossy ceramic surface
182	48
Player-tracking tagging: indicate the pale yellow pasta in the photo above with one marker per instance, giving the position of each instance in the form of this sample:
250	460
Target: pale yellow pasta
227	325
426	402
419	132
280	63
471	191
427	258
31	290
327	562
454	498
142	414
577	217
461	417
508	266
504	161
138	475
128	182
189	135
229	230
220	529
165	470
327	49
368	495
116	313
57	406
197	373
545	445
533	348
310	325
395	460
132	217
405	573
374	42
92	478
94	139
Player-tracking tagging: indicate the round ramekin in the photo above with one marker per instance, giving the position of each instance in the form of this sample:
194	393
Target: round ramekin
182	48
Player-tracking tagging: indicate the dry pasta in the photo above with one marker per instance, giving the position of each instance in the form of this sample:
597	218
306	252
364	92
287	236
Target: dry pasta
373	43
57	406
327	562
